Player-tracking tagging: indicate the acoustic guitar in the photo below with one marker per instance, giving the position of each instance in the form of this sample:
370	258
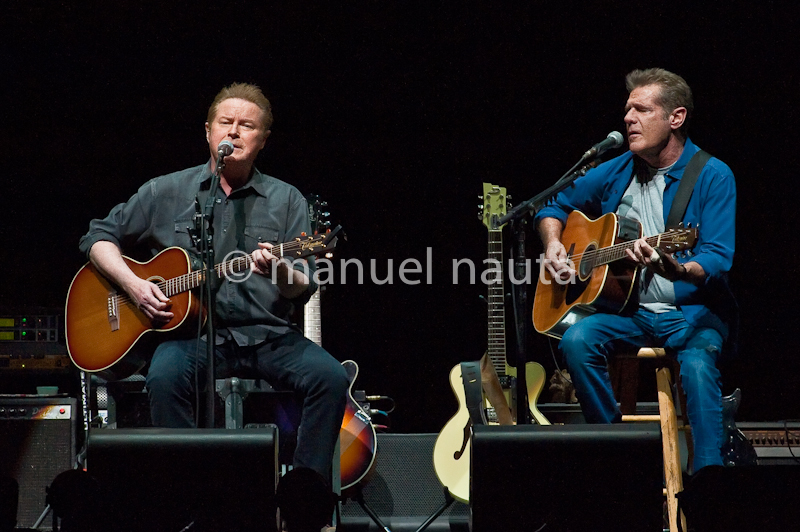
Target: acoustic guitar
357	438
604	281
452	450
103	324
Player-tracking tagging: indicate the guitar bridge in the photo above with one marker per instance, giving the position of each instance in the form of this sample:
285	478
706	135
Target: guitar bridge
113	311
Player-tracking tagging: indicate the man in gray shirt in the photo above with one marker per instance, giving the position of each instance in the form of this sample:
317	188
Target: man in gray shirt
253	212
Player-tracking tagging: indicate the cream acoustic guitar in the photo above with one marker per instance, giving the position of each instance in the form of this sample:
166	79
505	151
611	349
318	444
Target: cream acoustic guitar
451	452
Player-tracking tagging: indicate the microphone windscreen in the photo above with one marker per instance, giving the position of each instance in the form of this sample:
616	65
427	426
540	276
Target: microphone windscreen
225	148
616	136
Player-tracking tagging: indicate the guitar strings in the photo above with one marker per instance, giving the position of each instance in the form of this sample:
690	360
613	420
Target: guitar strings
190	280
618	250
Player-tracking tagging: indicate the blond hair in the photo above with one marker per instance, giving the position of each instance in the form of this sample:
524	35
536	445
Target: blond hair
244	91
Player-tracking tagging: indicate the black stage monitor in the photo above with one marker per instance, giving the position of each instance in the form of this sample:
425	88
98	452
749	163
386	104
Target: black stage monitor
568	477
153	479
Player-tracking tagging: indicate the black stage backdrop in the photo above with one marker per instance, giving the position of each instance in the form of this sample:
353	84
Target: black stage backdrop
395	113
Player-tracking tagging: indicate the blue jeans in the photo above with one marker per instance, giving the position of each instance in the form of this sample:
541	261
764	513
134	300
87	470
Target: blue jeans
288	362
587	345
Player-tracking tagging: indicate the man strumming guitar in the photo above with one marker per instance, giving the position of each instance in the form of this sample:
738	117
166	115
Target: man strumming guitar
253	212
683	302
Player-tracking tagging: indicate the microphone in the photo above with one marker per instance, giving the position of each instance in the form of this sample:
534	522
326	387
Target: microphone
613	140
225	148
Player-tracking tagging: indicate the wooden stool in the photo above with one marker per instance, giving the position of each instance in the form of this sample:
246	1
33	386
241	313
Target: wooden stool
625	380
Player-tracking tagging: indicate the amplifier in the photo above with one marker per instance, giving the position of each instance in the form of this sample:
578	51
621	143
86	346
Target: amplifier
57	362
33	343
31	328
403	490
37	443
775	442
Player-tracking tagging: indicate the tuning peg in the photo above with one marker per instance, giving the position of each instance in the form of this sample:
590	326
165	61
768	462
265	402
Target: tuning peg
508	196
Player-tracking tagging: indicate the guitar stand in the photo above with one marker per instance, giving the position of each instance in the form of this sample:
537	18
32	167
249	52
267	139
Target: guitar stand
448	500
359	498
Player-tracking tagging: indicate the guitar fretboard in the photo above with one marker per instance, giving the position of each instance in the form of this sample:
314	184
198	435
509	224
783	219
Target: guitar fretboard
234	266
312	319
671	240
297	248
497	312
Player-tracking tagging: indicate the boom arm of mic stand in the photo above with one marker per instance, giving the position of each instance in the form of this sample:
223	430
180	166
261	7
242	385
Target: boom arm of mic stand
537	202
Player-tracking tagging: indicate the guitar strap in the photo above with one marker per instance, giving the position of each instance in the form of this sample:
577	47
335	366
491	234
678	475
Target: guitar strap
473	393
676	212
685	188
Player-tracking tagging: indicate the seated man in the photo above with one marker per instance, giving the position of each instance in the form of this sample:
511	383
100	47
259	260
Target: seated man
683	304
253	212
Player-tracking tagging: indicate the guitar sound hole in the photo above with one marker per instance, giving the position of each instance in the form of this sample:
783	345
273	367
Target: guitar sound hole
587	262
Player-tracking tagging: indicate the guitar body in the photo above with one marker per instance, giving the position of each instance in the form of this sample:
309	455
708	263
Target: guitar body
535	378
451	452
736	447
357	439
605	287
103	325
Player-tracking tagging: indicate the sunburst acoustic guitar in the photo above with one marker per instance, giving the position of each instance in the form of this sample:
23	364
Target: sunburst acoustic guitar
103	325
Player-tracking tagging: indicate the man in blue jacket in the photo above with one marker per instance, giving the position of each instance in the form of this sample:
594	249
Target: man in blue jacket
682	301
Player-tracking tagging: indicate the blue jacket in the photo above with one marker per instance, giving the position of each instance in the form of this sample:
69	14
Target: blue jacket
712	208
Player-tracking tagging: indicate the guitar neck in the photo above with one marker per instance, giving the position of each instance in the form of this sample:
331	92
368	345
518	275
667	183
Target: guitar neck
312	319
607	255
497	313
237	265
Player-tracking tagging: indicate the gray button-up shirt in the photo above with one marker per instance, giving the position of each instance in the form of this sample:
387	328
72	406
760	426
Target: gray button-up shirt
161	214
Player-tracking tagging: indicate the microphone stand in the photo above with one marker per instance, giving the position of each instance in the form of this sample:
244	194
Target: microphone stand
206	219
518	222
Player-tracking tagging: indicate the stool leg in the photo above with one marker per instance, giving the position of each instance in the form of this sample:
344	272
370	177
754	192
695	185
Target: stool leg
684	425
626	385
671	450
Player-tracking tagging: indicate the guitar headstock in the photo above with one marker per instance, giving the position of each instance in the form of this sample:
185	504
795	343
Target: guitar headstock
319	244
495	205
317	214
678	239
